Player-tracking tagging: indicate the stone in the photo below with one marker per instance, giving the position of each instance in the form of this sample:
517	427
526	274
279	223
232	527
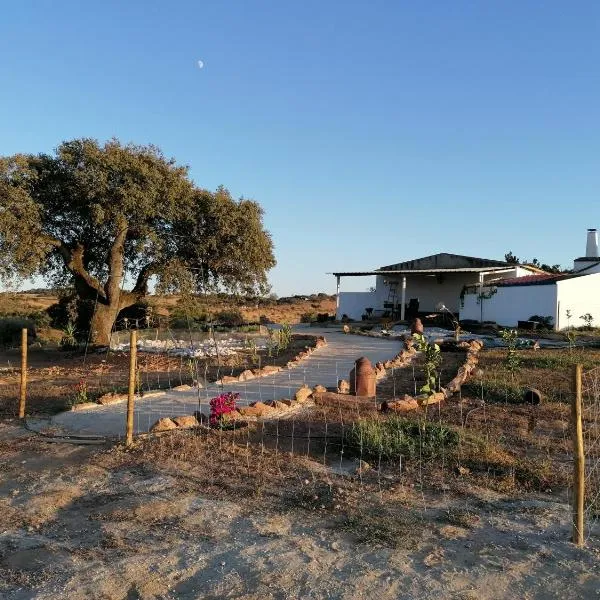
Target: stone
270	369
256	409
321	342
246	375
319	389
84	406
363	378
286	401
416	326
164	424
346	328
111	398
186	421
303	394
182	388
432	399
278	405
362	467
343	387
227	379
405	405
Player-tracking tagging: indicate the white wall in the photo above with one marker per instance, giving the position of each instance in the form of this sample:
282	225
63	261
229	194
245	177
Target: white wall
579	295
513	303
353	304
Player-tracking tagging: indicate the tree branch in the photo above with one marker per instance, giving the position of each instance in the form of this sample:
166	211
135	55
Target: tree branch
115	262
141	285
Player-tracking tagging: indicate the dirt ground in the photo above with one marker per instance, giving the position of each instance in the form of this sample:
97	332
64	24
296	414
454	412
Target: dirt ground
192	516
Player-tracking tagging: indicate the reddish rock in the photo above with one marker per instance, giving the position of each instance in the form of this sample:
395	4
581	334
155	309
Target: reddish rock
246	375
416	326
407	404
319	389
270	369
164	424
112	398
186	421
343	387
303	394
226	379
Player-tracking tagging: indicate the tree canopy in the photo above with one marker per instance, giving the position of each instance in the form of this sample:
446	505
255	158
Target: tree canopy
101	216
511	259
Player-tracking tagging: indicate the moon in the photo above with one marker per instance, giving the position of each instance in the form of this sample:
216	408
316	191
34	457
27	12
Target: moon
200	64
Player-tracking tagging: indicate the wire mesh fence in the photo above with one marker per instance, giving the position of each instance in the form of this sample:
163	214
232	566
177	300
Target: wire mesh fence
288	407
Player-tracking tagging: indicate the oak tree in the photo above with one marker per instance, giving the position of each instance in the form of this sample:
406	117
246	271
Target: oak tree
106	218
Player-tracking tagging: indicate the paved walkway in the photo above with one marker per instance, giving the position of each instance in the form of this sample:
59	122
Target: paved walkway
325	366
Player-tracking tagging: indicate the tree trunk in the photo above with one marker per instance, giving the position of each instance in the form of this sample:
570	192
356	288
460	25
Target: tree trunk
102	323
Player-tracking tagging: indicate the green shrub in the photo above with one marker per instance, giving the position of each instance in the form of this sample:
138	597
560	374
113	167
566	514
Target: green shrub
230	318
10	330
393	437
308	317
497	391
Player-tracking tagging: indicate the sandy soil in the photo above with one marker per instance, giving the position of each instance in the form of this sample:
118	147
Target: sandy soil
177	518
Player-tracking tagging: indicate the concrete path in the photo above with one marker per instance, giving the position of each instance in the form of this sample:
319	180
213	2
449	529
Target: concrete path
325	366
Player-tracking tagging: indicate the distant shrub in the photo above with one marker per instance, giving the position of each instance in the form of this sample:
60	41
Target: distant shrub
499	391
230	318
10	330
308	317
393	437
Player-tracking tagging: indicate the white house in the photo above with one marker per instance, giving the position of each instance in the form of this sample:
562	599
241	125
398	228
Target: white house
479	289
419	286
565	298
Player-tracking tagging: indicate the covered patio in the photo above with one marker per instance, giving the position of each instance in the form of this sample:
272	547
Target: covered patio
406	293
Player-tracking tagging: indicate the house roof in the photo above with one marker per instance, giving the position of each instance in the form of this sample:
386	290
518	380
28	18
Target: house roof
441	263
540	279
445	260
421	271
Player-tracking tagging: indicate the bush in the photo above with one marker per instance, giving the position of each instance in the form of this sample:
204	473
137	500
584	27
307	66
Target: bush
308	317
230	318
505	391
10	330
393	437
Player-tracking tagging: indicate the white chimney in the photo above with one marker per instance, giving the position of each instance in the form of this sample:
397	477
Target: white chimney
591	248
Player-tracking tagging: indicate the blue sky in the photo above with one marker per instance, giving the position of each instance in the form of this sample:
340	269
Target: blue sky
371	132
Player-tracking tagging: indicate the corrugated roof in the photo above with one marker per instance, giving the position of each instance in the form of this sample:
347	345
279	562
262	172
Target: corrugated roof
421	271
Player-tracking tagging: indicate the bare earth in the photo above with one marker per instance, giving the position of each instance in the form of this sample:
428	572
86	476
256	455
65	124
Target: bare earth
169	520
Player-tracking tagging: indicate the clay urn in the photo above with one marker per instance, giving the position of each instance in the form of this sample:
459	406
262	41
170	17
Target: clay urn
417	326
363	378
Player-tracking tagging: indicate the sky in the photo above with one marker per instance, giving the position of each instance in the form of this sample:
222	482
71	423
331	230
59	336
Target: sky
370	132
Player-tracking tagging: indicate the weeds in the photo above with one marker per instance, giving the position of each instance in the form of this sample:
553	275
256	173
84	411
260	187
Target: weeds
394	437
432	360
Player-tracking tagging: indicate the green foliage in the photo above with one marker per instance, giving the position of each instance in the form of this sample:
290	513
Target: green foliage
230	318
10	330
393	437
90	212
512	360
432	360
68	341
494	391
308	317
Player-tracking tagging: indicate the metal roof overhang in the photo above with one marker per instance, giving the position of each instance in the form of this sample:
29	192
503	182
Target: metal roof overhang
422	271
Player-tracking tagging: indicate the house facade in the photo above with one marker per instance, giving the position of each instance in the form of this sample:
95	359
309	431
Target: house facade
479	289
409	288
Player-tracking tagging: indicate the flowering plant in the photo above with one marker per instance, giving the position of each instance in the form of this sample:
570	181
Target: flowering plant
81	392
220	407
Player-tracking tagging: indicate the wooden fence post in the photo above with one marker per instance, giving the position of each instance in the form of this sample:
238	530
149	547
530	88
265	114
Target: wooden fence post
130	396
579	458
23	389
